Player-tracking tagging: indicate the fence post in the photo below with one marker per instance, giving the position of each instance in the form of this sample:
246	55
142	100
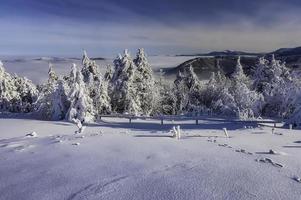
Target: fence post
162	121
130	120
196	121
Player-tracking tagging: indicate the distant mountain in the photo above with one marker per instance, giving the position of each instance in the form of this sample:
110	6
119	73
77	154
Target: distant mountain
225	61
292	56
224	53
204	66
288	52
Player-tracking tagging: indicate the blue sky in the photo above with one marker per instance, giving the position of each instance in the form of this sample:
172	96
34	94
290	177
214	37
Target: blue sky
105	27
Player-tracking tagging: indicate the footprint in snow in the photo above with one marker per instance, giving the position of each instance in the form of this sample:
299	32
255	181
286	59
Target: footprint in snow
99	190
272	152
270	161
297	179
243	151
95	134
23	147
32	134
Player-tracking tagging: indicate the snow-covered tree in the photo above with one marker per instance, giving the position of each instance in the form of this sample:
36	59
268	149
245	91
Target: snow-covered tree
180	90
90	70
101	98
274	81
52	77
52	103
17	94
165	99
8	92
187	90
238	75
124	97
249	103
144	82
109	74
27	95
216	96
81	105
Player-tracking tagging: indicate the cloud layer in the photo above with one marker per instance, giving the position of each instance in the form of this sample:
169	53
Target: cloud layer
105	27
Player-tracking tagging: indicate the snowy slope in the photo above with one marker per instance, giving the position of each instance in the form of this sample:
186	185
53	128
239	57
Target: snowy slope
117	160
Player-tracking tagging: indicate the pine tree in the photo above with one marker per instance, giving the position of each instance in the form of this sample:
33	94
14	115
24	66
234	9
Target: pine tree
109	74
123	97
187	89
28	95
238	75
248	102
180	90
8	92
81	105
90	70
274	81
51	74
144	82
52	103
101	99
216	96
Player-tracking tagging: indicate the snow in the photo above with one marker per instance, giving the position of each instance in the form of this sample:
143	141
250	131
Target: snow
141	160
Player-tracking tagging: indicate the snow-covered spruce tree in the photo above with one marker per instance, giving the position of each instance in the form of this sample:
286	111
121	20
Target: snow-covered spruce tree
164	97
60	103
90	70
187	90
7	90
124	97
180	91
52	103
294	115
109	73
81	105
96	86
17	94
144	82
274	81
216	96
52	77
101	98
239	74
27	95
225	105
249	103
194	90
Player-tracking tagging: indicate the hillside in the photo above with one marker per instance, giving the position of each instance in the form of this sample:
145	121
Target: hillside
226	61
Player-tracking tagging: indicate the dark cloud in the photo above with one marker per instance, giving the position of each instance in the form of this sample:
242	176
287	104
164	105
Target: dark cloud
165	11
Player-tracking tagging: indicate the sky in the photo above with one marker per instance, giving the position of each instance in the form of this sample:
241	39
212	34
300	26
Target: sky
106	27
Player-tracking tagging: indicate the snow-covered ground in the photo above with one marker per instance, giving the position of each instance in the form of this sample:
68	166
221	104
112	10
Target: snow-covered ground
113	159
36	68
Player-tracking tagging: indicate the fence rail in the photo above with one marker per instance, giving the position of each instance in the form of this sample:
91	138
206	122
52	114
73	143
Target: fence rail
192	118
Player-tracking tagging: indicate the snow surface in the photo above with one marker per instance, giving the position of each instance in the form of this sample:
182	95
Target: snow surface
117	160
